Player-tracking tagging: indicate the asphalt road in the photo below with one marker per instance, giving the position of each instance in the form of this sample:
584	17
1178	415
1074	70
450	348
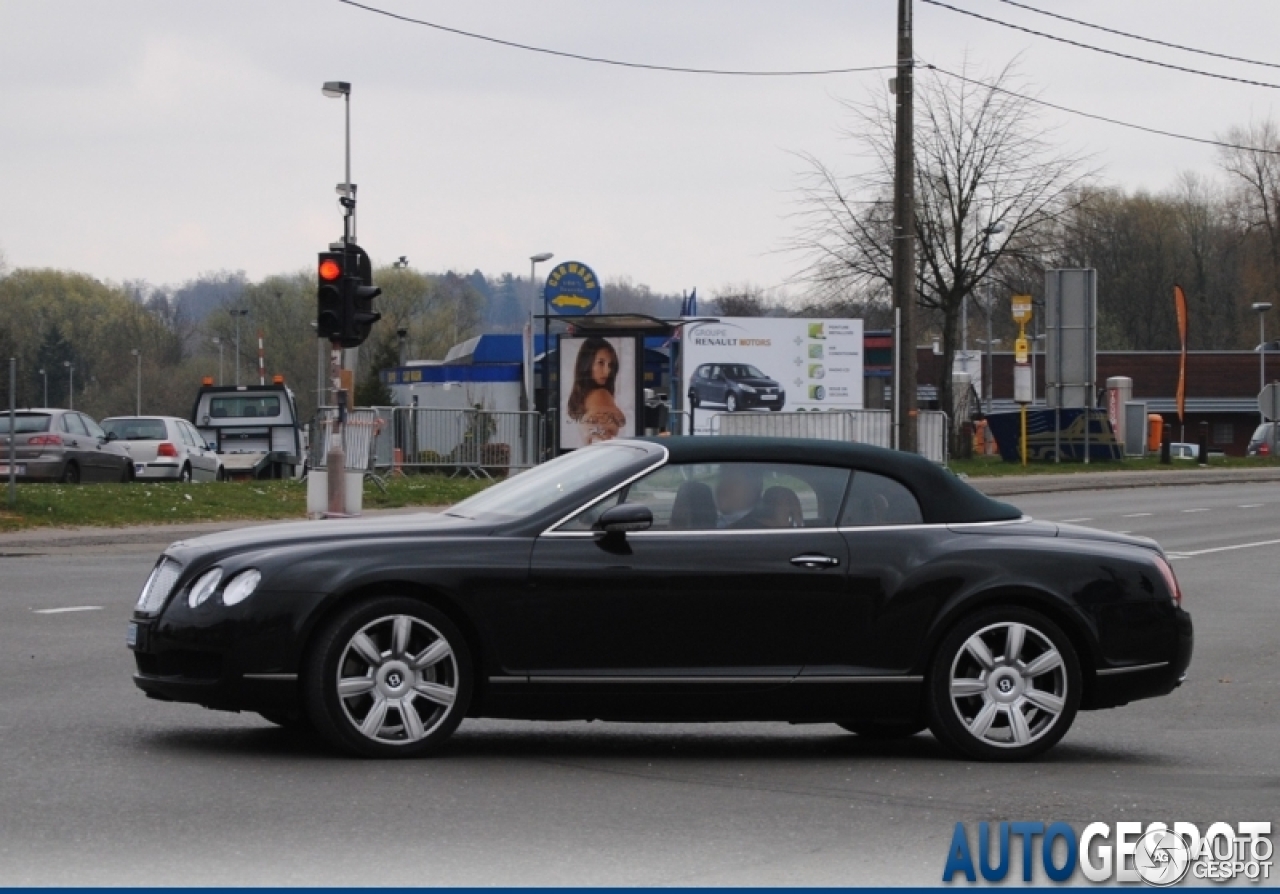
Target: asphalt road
102	786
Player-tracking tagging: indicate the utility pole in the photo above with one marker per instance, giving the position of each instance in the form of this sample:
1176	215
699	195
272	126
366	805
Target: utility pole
904	234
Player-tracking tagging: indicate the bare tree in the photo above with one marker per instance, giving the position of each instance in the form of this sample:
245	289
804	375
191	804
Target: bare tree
1255	174
984	164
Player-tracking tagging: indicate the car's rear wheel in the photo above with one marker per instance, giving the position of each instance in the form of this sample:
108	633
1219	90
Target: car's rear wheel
731	402
185	475
71	474
872	729
126	473
1004	685
222	474
391	677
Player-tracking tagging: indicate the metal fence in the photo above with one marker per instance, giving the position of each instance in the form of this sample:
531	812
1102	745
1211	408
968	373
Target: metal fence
487	443
359	438
873	427
933	436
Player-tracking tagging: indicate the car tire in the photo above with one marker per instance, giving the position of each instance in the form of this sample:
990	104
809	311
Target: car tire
874	729
731	402
776	408
363	692
1004	685
184	477
70	474
221	475
126	474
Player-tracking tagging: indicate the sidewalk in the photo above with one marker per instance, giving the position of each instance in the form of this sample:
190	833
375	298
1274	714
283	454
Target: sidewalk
1009	485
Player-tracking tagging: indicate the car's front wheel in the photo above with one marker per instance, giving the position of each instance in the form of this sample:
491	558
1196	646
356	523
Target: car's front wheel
391	677
731	402
1004	685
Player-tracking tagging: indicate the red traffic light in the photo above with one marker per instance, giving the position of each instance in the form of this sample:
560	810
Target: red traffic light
330	270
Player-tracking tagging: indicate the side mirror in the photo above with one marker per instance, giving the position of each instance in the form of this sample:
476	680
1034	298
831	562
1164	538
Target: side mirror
111	436
212	445
625	517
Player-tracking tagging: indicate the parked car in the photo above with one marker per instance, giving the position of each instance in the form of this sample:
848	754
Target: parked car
1262	441
674	579
60	445
735	386
1182	450
165	447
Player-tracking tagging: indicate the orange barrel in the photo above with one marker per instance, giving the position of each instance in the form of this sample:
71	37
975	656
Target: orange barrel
1155	431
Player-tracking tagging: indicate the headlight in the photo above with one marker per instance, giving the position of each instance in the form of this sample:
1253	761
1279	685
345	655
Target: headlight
748	389
204	586
241	587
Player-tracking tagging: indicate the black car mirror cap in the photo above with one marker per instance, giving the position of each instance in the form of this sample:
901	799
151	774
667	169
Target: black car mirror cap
111	436
623	518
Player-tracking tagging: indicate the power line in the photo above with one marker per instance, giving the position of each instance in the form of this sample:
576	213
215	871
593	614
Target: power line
622	64
1162	43
1086	46
1116	121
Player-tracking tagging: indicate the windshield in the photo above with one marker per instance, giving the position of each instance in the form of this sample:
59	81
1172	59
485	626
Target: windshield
244	407
26	423
744	371
136	429
1261	433
543	485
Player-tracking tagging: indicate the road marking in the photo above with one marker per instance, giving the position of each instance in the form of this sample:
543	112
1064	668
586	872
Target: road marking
1249	506
1201	509
69	608
1189	554
1073	521
1137	515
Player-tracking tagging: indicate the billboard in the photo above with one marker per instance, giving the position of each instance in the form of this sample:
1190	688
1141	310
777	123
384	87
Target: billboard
764	364
572	289
598	390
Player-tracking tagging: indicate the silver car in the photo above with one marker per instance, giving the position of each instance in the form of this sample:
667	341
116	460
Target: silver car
166	448
60	445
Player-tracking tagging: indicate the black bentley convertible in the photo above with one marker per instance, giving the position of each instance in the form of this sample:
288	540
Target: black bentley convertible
674	579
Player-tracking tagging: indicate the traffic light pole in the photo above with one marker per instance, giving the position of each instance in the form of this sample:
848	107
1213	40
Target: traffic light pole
336	459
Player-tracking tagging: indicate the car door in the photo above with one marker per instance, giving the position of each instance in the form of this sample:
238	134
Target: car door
692	602
204	462
108	460
78	446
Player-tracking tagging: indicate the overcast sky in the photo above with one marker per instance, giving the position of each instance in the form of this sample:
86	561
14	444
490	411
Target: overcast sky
157	140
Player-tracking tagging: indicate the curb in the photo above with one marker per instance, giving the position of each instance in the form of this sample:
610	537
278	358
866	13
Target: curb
1073	481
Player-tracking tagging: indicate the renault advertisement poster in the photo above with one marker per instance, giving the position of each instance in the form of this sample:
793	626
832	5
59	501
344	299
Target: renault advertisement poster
771	364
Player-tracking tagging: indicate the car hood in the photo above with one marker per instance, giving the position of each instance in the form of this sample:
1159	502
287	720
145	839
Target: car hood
756	382
329	531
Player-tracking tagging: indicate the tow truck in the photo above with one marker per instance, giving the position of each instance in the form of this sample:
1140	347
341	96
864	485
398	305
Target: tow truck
254	428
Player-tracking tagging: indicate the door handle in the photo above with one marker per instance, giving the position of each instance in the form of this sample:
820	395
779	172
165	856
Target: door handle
815	561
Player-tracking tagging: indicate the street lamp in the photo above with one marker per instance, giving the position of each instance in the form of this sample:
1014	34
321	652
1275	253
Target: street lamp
137	410
401	263
534	261
238	313
402	334
45	375
217	341
346	189
1261	308
71	384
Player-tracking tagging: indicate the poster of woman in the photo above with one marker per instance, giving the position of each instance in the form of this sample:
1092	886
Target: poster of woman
597	390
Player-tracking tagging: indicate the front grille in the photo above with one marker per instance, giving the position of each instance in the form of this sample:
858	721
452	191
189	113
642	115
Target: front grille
158	586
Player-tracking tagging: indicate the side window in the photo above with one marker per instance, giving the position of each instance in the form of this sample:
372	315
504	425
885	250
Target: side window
731	496
92	427
189	435
877	500
72	425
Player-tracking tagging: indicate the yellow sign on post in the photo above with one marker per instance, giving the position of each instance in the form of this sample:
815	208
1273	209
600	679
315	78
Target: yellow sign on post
1022	309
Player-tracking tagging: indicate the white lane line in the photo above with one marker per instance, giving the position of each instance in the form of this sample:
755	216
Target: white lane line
1201	509
1138	515
1188	553
1249	506
69	608
1073	521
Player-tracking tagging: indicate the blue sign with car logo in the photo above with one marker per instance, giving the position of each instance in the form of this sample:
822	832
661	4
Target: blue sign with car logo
572	289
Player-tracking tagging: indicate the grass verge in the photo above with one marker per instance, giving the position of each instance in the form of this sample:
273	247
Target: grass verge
159	503
994	466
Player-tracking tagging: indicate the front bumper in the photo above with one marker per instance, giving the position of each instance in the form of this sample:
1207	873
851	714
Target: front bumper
230	659
762	400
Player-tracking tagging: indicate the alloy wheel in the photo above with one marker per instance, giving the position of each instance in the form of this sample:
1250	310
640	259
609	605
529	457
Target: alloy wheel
397	679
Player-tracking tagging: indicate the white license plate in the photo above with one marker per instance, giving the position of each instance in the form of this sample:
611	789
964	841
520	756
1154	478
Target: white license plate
768	397
131	635
139	468
18	470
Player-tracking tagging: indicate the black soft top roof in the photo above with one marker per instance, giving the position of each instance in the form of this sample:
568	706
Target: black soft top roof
943	497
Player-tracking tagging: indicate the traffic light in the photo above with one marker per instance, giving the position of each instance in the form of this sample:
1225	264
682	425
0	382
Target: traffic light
330	312
344	299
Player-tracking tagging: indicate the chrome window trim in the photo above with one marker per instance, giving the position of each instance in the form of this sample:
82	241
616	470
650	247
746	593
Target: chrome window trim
1111	671
695	532
662	461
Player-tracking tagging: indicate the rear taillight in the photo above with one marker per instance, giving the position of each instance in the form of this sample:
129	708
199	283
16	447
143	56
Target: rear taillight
1170	580
45	440
1264	449
166	449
